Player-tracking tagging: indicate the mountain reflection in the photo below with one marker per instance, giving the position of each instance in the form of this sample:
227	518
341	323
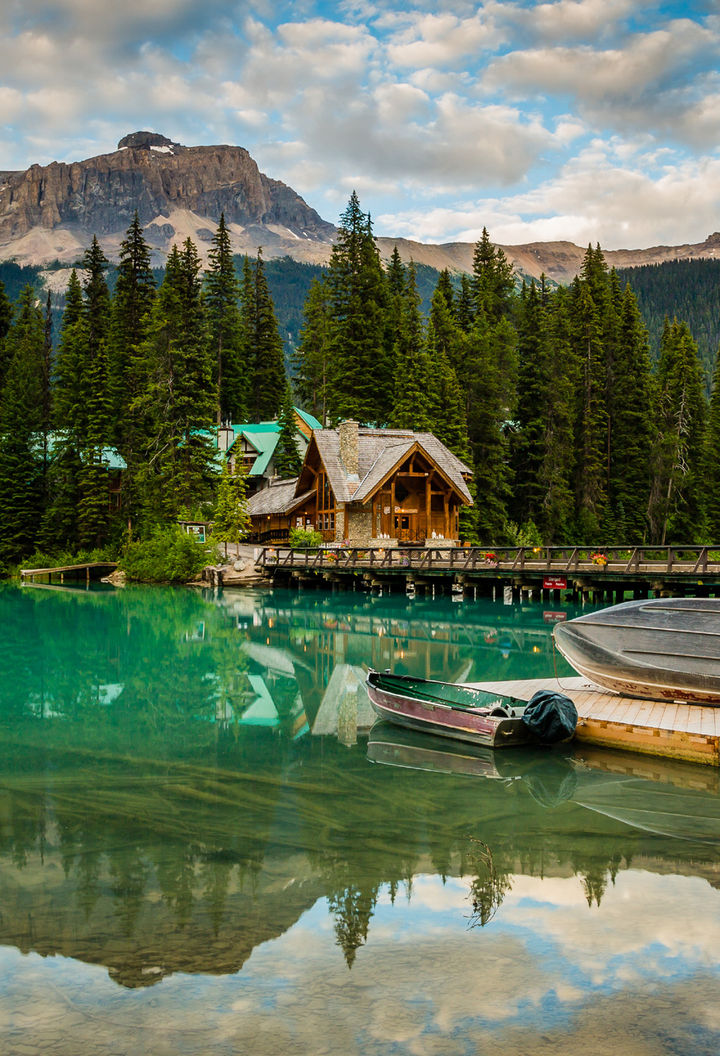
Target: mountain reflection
182	777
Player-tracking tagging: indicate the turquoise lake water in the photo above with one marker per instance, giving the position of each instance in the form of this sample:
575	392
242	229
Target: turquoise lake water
206	846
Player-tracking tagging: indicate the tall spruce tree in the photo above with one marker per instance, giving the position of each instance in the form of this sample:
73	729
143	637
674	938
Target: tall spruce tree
311	361
712	458
180	401
222	295
130	320
6	313
363	368
266	350
94	513
21	432
287	456
676	509
412	404
631	408
592	416
231	520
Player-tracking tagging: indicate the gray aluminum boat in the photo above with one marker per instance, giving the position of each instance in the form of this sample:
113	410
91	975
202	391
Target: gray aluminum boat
662	649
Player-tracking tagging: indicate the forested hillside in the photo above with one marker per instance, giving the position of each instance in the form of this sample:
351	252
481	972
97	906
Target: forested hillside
549	395
683	289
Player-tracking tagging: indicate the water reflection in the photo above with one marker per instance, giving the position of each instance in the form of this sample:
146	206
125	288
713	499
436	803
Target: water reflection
186	781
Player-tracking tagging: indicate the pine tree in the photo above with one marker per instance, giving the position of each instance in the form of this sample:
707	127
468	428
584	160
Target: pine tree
266	351
492	280
231	520
130	320
363	369
59	526
592	417
6	314
311	361
676	511
180	401
631	401
712	458
222	294
412	403
21	429
287	457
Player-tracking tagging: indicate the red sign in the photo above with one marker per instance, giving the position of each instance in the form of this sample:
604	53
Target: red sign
554	583
554	617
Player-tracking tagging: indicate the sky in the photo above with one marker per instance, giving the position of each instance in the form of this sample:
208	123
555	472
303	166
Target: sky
580	120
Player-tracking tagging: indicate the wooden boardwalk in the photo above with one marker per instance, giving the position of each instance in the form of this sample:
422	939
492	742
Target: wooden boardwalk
607	569
672	730
89	570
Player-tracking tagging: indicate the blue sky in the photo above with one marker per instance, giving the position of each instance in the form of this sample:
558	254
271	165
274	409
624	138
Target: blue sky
585	120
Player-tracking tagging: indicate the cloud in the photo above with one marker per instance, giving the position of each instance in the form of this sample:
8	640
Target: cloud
594	197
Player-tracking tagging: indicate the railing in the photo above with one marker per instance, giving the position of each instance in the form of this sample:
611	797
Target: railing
560	560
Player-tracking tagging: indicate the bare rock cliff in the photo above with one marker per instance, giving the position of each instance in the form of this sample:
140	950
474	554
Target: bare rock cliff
151	174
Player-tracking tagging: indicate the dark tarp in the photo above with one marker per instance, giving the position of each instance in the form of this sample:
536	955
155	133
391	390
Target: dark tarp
550	716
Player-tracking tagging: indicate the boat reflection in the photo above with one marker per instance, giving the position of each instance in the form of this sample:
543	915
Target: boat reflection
666	798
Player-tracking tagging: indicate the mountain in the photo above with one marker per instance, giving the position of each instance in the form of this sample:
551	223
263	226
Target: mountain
49	214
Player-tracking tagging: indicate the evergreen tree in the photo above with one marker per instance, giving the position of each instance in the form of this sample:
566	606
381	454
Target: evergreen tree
222	293
6	313
59	527
631	401
266	350
492	280
676	511
592	417
363	369
531	418
562	374
712	458
130	320
311	361
180	401
231	520
21	428
412	404
287	457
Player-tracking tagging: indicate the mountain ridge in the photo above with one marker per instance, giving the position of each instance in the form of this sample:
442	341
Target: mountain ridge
49	213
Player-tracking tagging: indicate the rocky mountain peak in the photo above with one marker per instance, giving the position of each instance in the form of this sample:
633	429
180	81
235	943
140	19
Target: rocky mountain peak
146	140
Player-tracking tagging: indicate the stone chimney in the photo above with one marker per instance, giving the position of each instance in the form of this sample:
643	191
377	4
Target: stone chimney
348	433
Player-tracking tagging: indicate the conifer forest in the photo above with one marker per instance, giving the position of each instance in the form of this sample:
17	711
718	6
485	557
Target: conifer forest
548	393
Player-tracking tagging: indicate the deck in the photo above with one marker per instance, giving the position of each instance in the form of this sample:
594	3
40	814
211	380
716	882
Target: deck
607	569
88	570
674	731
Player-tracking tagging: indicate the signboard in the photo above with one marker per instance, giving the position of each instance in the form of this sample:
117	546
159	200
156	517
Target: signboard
554	583
554	617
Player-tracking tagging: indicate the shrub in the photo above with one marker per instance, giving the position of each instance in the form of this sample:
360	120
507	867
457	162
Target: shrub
300	538
169	555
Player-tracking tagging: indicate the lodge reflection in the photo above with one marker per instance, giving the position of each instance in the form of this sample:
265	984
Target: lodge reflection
183	778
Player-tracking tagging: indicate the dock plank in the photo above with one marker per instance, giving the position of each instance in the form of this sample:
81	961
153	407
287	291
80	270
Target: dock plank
672	730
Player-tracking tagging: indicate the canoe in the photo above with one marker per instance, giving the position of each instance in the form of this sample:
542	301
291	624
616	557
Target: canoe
463	713
658	649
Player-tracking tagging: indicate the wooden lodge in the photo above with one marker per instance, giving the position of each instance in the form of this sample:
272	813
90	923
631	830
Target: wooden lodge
368	487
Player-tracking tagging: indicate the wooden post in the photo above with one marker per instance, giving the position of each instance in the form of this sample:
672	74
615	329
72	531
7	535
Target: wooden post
392	511
428	507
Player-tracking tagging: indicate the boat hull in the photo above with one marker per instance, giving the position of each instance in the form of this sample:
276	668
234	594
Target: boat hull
471	725
662	649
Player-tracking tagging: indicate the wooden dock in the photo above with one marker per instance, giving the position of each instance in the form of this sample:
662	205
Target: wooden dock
672	730
606	572
89	570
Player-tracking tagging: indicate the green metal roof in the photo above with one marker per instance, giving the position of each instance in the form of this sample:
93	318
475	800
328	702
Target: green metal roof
264	443
309	419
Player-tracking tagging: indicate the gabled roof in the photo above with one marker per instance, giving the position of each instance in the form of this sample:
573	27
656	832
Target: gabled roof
308	418
278	498
264	441
380	451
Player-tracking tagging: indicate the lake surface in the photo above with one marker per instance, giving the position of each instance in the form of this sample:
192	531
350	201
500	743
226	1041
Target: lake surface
204	848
